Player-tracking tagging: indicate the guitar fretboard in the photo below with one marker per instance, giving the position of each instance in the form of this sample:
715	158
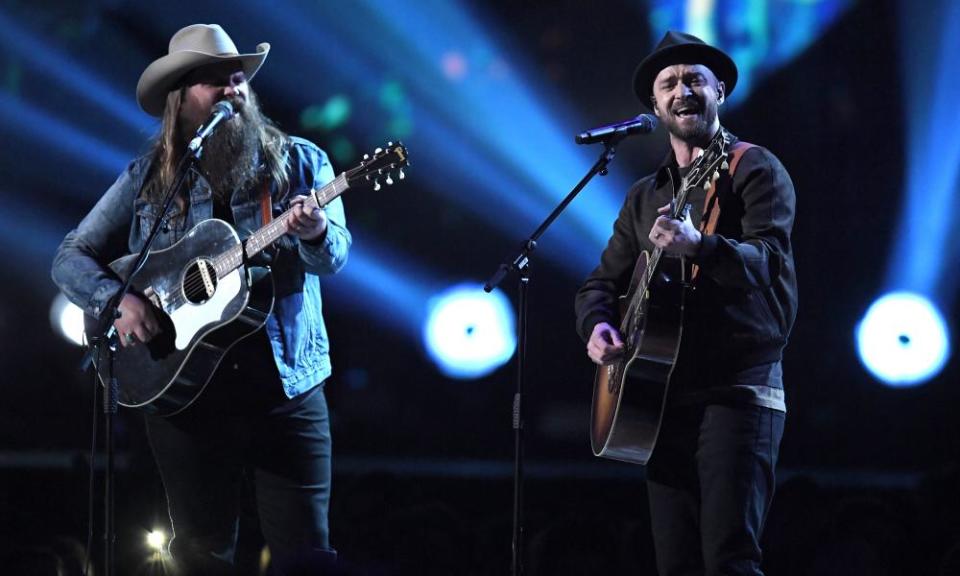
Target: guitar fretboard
264	237
699	175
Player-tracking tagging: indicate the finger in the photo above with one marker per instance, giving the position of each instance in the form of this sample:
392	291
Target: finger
595	356
610	337
666	223
611	353
615	339
141	334
293	223
299	211
308	219
663	209
596	351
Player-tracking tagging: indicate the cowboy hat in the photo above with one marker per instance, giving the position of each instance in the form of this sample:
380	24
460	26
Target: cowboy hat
680	48
190	48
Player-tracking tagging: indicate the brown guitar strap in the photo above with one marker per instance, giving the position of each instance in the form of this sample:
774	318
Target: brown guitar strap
711	207
266	209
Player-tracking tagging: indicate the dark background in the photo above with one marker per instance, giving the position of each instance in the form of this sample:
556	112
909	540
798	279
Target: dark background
423	462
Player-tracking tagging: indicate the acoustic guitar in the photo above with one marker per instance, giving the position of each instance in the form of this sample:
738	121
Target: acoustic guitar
206	299
629	393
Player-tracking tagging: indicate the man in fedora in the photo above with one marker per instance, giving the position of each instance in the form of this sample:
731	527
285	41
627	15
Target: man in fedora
262	419
710	478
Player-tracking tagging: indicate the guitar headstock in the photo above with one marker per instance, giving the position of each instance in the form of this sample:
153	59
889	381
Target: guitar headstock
713	158
385	163
706	168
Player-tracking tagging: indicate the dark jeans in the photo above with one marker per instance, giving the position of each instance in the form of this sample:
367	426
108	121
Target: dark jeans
710	483
244	424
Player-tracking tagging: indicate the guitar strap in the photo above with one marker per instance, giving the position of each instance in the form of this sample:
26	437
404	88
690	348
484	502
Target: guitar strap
266	214
711	207
266	209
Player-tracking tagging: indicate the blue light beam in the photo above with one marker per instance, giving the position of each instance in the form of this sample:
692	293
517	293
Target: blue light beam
510	139
66	72
933	149
69	141
909	343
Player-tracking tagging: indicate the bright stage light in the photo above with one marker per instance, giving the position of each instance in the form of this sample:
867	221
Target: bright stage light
469	333
903	340
156	540
67	319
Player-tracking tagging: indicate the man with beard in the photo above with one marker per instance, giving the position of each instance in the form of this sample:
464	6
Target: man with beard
263	417
710	478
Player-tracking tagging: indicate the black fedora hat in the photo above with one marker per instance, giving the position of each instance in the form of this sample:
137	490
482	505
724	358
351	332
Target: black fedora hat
680	48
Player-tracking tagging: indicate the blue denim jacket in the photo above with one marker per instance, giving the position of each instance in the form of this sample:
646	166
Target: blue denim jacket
121	220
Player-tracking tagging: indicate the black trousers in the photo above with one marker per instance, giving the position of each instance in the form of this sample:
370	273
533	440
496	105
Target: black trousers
710	484
243	424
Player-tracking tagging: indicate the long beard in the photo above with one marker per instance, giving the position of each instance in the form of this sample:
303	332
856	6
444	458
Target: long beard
231	157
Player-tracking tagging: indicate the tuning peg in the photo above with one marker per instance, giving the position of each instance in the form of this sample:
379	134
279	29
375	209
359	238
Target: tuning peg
401	175
376	184
389	144
706	184
725	165
389	180
378	150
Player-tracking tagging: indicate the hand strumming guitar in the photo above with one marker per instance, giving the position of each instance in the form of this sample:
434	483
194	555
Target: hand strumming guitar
137	321
605	344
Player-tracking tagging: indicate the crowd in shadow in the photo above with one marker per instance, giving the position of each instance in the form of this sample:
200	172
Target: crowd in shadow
384	525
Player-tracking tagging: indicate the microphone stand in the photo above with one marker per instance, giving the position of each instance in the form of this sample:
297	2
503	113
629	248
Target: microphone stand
105	334
521	264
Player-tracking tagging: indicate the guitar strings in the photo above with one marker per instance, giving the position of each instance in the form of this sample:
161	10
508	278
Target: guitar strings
689	183
232	259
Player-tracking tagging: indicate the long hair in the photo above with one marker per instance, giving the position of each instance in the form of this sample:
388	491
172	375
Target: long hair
168	149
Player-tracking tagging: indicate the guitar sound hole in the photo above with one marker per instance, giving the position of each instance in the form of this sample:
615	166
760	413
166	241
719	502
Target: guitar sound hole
200	282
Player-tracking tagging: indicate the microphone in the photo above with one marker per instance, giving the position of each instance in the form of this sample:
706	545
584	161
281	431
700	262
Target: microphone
222	110
642	124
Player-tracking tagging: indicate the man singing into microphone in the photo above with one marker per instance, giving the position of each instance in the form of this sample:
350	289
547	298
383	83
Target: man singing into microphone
263	416
710	478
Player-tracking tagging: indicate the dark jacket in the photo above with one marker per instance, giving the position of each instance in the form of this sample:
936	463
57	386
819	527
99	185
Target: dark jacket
745	301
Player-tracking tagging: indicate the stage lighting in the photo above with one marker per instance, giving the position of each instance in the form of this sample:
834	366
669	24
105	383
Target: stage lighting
333	114
469	333
903	340
66	319
156	540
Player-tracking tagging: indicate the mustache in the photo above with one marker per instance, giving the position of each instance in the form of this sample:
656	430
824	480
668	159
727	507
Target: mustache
242	110
238	102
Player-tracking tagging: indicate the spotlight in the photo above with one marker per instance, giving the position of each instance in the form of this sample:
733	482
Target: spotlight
67	319
156	540
469	333
903	340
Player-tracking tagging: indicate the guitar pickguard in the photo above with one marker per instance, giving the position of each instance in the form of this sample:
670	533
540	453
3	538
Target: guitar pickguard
191	318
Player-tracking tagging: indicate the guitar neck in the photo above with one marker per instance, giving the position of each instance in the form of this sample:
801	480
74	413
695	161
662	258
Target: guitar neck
643	284
264	237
